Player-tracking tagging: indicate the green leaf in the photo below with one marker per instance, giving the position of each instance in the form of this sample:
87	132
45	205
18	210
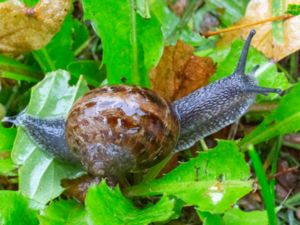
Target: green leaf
210	219
293	9
40	174
132	45
30	3
58	53
7	137
109	207
166	17
80	36
266	75
143	8
13	69
89	69
14	209
233	10
213	181
64	212
285	119
239	217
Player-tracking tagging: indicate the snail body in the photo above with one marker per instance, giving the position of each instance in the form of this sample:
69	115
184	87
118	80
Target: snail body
116	129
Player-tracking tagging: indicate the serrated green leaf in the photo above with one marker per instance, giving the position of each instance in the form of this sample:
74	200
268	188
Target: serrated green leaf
132	45
58	53
109	207
266	75
213	181
14	209
239	217
40	174
64	212
285	119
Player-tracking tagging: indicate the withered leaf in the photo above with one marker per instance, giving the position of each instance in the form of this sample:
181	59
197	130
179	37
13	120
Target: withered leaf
179	72
25	29
258	10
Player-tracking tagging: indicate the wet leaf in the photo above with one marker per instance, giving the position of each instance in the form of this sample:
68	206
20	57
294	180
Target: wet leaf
111	207
179	72
213	181
40	174
64	212
25	29
14	209
264	40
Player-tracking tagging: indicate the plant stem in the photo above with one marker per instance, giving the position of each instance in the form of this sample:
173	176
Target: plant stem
135	75
234	28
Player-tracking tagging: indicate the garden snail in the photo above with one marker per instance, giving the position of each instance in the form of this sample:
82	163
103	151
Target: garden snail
112	130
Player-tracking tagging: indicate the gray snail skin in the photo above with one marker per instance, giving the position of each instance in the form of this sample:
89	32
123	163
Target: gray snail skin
113	130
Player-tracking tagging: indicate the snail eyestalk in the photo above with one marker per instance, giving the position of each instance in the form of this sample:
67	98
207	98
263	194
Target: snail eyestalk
240	69
262	90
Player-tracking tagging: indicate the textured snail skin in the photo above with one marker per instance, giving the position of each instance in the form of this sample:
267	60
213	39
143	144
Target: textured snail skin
219	104
209	109
47	134
117	129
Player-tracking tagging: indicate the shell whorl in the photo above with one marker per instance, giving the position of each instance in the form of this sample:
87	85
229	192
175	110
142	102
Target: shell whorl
120	128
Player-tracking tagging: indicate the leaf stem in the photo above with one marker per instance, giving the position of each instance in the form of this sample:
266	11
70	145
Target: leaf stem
237	27
135	75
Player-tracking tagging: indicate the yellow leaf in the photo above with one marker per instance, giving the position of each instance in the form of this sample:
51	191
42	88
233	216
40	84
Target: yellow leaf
258	10
25	29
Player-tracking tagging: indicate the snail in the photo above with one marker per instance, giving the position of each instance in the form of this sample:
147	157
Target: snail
113	130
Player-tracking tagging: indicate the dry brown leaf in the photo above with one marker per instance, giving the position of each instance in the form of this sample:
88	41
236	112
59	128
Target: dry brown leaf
179	72
25	29
77	188
258	10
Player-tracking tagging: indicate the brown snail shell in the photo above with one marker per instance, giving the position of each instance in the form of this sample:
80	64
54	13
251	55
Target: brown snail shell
116	129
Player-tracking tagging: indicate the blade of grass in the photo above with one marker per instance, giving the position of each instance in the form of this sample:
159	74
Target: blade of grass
268	196
275	156
13	69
